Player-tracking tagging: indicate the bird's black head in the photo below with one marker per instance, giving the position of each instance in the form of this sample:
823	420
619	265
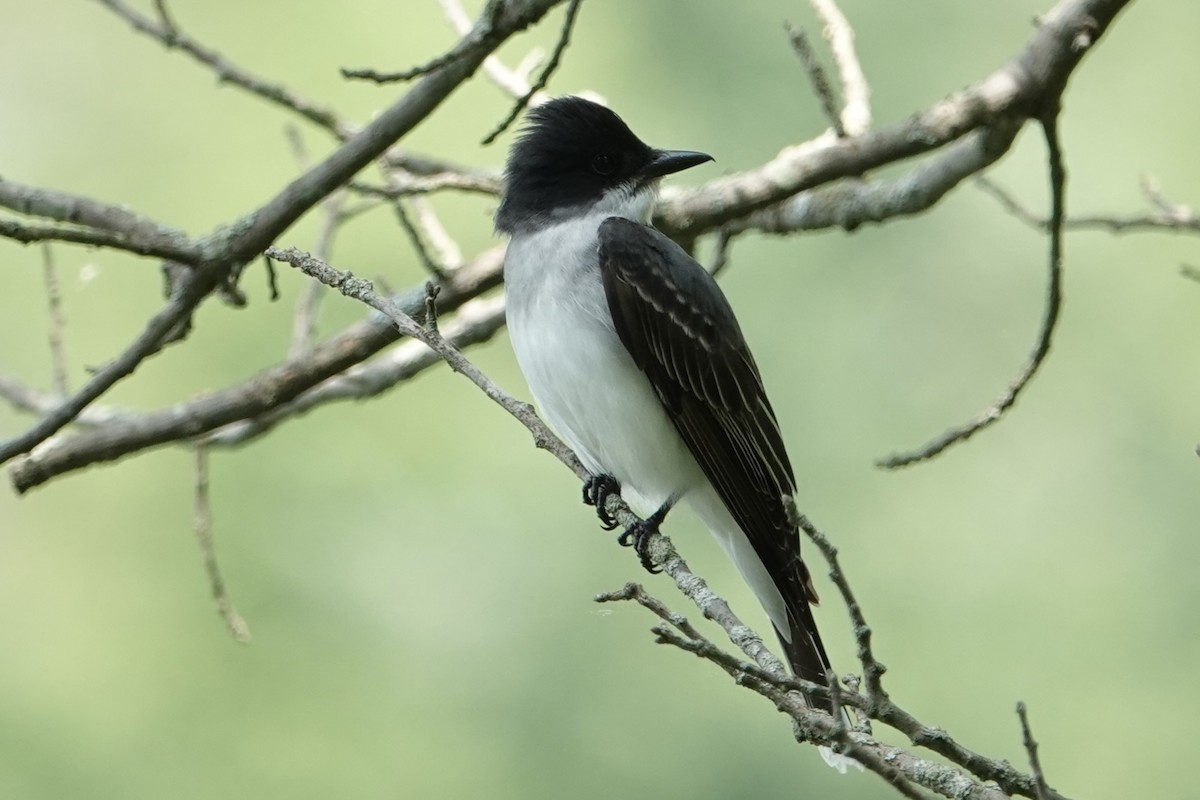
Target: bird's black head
574	154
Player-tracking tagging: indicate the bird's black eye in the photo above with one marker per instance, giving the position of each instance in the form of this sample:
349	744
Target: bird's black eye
604	164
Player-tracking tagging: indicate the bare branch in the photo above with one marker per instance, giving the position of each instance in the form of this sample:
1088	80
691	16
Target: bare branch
58	356
258	227
637	593
477	321
230	247
255	231
979	124
404	184
148	342
852	202
1021	88
879	706
304	320
1174	218
449	254
515	83
103	224
202	524
1041	348
166	32
472	41
431	264
28	234
816	77
873	669
543	78
1031	749
856	113
25	398
766	675
721	249
265	399
361	290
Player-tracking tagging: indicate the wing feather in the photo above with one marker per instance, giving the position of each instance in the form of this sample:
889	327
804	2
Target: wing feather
681	332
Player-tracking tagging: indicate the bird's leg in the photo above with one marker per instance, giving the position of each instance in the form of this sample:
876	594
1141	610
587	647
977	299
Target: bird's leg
637	535
596	490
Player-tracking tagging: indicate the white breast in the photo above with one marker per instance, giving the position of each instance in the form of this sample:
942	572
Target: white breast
582	378
589	390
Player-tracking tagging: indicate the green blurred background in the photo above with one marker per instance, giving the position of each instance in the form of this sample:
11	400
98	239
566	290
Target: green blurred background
418	577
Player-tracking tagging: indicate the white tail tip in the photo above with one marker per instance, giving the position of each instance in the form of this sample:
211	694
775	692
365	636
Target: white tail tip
838	761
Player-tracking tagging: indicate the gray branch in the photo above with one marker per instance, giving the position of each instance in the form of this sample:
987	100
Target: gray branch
237	243
258	403
1020	88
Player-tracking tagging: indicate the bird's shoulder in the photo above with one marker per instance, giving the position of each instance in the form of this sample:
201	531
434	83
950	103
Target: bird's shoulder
649	267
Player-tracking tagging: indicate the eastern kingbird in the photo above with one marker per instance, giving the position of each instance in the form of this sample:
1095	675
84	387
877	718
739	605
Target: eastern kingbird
635	358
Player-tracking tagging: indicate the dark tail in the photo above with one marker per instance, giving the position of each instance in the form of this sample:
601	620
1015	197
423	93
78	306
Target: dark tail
805	652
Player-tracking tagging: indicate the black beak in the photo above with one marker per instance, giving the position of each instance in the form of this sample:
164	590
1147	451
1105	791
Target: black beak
665	162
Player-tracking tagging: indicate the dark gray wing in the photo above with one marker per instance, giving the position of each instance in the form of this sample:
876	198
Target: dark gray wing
681	332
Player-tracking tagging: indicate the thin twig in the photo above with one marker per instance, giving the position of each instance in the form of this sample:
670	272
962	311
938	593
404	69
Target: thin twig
1031	749
514	83
476	322
636	592
1174	218
696	643
304	318
1041	348
58	356
148	342
853	202
431	310
861	719
404	184
812	724
475	39
879	705
1168	209
272	280
1026	81
257	404
873	669
543	77
86	212
432	266
856	112
92	223
202	524
243	239
25	398
816	77
449	254
781	691
164	16
721	250
167	32
361	290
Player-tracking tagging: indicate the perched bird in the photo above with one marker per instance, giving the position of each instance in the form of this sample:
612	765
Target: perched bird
635	358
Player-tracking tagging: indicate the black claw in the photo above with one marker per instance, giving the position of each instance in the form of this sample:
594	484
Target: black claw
596	490
637	536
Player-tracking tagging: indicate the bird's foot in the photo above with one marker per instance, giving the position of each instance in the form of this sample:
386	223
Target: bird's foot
596	491
638	534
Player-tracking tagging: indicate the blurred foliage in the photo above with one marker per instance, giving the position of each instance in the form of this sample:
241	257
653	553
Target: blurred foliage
418	577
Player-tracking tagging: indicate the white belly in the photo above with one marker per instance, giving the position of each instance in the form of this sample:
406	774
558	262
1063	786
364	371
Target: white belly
589	390
596	398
